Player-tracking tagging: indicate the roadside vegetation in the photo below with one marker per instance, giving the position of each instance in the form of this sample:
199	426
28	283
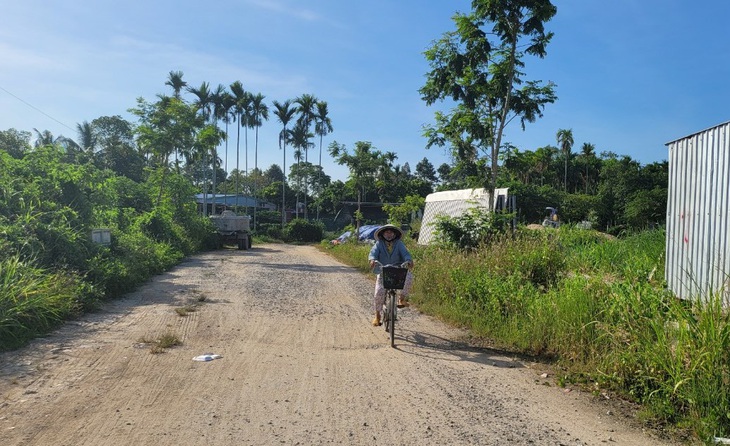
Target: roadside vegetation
594	305
51	269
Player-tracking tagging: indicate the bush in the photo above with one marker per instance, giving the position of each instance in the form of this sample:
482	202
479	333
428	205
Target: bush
268	217
475	227
272	230
299	230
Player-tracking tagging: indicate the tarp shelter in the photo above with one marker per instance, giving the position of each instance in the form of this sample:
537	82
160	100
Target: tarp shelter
367	232
454	203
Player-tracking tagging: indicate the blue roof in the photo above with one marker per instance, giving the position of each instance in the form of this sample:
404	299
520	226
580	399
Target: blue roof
231	200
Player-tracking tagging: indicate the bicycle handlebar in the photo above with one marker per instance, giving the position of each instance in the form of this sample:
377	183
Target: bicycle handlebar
405	264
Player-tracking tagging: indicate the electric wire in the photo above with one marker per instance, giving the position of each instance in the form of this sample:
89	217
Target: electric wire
35	108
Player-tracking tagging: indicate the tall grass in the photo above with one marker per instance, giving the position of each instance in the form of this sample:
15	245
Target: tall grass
32	301
598	306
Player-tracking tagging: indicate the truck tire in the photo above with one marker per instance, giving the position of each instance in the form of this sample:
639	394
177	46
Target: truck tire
241	243
248	242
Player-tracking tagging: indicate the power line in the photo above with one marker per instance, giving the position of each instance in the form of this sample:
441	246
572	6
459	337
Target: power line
36	108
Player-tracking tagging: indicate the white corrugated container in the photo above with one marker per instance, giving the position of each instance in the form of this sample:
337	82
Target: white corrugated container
698	207
453	203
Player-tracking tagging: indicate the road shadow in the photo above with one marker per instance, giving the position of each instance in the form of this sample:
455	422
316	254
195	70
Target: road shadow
309	268
439	348
254	251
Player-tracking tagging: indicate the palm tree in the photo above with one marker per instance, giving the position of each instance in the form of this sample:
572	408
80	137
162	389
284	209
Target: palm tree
284	112
565	141
228	109
87	138
306	107
218	101
322	127
259	113
543	159
45	138
246	122
588	152
204	104
239	97
300	140
175	80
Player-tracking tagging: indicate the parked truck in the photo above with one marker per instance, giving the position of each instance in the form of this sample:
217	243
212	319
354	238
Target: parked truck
233	229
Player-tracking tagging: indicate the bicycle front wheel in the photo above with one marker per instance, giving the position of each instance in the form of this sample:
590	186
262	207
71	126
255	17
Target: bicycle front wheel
392	314
386	312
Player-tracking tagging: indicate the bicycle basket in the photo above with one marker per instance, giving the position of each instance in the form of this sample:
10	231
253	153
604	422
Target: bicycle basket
394	278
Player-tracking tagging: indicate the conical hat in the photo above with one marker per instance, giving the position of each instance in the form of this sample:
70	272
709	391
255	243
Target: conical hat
395	229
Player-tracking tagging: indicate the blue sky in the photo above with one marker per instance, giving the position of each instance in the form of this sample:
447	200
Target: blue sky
631	75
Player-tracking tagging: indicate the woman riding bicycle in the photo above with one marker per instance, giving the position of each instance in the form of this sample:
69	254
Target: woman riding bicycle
389	249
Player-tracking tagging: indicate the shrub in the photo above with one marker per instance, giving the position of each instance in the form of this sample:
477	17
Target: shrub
272	230
475	227
300	230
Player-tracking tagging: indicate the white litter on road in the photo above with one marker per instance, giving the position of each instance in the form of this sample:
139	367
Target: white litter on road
207	357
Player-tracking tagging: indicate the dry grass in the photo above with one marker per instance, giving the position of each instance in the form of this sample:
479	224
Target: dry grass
162	343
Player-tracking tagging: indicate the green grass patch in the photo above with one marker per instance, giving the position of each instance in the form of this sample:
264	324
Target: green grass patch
33	301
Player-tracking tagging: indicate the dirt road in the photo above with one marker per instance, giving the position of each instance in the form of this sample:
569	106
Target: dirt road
300	365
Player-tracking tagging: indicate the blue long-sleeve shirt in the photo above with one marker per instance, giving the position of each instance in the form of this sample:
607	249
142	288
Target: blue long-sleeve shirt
396	256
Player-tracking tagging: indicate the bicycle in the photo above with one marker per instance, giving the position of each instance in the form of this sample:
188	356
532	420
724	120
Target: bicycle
394	278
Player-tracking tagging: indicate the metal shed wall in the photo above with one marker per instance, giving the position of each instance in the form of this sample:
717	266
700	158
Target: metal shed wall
698	207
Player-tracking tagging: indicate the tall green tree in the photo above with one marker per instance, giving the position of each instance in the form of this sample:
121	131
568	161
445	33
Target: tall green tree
259	114
364	163
46	138
484	79
15	142
588	156
307	109
117	149
565	142
284	112
176	82
241	97
228	115
322	128
218	99
300	141
426	171
204	104
87	140
274	174
165	125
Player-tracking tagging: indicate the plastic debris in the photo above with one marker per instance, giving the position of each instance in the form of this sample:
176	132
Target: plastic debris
207	357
